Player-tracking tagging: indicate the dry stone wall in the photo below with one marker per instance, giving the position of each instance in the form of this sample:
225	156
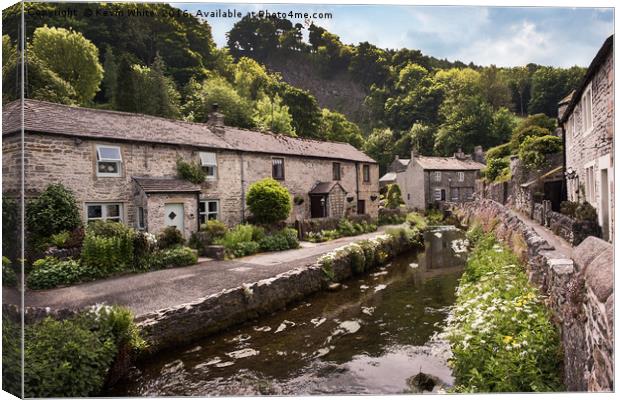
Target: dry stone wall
579	291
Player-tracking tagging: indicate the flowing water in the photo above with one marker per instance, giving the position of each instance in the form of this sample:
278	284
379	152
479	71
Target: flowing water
370	337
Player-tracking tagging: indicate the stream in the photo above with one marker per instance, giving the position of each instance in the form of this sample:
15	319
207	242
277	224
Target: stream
370	337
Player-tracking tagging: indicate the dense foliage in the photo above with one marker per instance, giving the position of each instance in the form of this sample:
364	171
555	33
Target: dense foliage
9	277
190	171
269	201
500	332
71	358
346	227
247	239
534	150
53	211
393	196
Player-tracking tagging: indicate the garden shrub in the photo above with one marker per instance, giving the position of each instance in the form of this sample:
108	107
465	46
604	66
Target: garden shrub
60	239
416	220
434	217
278	241
393	196
242	240
71	358
519	136
346	228
64	359
50	272
190	171
170	237
495	168
144	244
269	201
214	229
11	357
500	332
581	212
174	257
501	151
53	211
108	247
9	277
76	238
391	217
533	150
10	213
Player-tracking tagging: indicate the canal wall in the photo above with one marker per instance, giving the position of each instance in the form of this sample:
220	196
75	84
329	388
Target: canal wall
579	290
187	322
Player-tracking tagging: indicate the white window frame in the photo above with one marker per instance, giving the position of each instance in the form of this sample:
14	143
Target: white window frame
586	112
104	212
437	194
590	183
461	176
206	161
100	159
206	212
437	176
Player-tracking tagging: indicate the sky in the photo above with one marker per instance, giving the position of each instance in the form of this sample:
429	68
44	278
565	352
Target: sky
504	36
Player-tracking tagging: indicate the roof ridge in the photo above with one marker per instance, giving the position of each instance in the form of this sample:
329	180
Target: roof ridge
270	133
103	110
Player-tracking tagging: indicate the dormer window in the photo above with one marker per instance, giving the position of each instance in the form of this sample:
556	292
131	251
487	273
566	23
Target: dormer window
208	161
109	161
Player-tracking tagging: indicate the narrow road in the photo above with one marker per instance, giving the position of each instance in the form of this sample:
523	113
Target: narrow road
561	245
151	291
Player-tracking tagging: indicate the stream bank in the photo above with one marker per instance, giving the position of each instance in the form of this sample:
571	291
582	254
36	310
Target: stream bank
370	337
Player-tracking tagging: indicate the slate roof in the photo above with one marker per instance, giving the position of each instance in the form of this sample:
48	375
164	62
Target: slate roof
448	163
45	117
165	185
598	60
404	161
389	177
325	187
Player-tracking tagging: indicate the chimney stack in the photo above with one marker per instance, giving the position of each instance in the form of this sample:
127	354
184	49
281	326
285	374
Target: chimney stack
479	154
216	120
459	155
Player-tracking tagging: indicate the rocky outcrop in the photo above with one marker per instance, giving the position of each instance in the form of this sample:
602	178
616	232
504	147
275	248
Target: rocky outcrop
579	291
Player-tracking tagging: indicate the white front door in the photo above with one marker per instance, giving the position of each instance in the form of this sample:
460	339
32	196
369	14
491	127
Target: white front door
173	215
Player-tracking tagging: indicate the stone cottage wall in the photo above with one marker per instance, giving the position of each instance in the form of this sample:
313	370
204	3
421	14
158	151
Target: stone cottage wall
579	290
594	148
72	162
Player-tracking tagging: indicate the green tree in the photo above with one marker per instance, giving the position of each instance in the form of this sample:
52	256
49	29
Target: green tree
550	85
110	76
269	201
251	79
519	81
534	125
380	146
467	123
495	89
271	115
72	57
303	108
201	97
337	128
420	136
369	64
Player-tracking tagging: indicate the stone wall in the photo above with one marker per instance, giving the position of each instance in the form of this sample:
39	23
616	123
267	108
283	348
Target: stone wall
186	322
579	291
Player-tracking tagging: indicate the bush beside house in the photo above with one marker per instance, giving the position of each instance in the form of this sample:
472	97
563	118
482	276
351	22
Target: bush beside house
69	358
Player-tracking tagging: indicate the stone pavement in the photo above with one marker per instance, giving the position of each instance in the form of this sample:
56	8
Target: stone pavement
561	245
151	291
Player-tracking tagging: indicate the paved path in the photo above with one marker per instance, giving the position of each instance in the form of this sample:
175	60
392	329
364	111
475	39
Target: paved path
152	291
560	244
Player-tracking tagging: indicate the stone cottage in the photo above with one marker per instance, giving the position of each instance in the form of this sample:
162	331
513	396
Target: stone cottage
588	130
122	167
427	181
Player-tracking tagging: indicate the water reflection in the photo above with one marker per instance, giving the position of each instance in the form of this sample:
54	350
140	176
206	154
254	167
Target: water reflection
369	337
